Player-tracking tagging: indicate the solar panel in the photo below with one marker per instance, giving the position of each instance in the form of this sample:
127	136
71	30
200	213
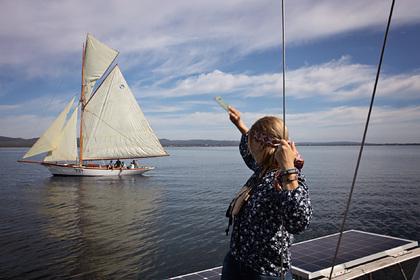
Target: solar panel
212	274
313	258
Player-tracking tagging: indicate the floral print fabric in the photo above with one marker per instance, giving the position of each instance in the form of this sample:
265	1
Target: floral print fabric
263	229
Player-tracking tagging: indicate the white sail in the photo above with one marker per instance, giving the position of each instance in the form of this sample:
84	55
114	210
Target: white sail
98	57
114	125
66	149
49	139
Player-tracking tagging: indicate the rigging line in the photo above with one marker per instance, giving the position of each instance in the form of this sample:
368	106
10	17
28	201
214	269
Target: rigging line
363	139
284	123
284	71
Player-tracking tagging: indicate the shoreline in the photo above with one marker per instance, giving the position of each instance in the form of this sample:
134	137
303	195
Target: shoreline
11	142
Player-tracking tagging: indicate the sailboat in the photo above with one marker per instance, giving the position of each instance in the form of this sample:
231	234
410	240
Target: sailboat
112	125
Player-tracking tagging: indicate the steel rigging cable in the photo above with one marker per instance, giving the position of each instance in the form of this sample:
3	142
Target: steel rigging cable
363	140
284	121
364	133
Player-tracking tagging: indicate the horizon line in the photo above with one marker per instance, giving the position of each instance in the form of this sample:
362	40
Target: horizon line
307	143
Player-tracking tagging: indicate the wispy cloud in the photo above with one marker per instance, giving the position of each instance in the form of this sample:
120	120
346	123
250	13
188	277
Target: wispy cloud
309	20
347	123
189	37
43	105
162	109
336	80
344	123
24	126
343	80
7	108
209	83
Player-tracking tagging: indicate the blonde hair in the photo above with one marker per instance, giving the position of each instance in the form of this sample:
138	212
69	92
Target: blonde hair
263	153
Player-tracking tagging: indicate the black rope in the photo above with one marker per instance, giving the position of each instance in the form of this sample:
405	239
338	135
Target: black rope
284	123
363	140
284	71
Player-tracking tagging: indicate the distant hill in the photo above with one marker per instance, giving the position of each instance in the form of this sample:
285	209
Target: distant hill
350	143
197	143
20	142
16	142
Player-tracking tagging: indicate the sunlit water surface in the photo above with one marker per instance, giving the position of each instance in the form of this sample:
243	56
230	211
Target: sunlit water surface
171	221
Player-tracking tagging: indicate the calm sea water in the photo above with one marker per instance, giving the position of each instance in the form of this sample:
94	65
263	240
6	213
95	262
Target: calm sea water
171	221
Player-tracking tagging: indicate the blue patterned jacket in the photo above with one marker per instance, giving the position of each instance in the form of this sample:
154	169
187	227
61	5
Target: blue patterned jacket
263	227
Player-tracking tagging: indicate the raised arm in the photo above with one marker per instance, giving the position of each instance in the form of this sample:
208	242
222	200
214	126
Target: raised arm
235	118
293	195
246	155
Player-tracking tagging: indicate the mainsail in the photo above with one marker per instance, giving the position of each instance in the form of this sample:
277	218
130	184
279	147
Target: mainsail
114	126
66	149
49	140
98	57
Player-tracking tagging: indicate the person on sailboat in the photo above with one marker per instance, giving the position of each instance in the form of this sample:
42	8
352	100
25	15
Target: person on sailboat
275	206
133	164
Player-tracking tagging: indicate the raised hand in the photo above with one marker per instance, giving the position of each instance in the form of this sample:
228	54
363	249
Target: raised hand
298	158
285	155
235	118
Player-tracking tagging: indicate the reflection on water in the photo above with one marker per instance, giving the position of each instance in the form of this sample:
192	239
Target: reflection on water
109	220
171	221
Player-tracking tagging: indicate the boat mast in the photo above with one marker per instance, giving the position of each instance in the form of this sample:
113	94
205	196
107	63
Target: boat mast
82	107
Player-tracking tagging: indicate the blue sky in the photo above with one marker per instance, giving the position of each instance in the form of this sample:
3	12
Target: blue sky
177	55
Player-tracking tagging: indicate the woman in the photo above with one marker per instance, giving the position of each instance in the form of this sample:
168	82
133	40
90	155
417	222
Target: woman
277	207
